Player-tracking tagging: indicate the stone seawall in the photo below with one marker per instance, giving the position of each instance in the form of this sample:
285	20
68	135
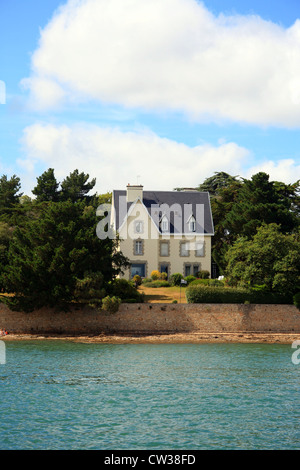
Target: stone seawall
155	319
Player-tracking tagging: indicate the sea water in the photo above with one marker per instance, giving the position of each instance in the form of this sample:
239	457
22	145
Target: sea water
64	395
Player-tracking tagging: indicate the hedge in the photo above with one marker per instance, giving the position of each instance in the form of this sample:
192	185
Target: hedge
233	295
157	283
296	300
207	282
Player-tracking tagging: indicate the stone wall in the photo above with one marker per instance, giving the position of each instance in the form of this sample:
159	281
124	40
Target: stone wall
156	318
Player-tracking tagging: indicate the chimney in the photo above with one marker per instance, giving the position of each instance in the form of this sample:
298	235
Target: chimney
133	192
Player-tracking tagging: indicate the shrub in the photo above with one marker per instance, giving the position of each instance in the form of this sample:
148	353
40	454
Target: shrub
111	304
175	279
157	283
232	295
296	300
189	279
89	290
137	280
207	282
146	280
124	290
155	275
174	301
203	274
163	276
200	282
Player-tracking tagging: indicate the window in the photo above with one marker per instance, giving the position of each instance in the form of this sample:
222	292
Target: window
187	270
138	247
196	269
200	249
139	269
164	224
192	224
164	249
139	226
184	249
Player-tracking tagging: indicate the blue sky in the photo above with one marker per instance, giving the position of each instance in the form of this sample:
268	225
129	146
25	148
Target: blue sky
163	92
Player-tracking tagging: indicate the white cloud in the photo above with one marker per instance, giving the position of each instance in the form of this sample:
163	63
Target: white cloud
116	158
45	93
286	170
169	54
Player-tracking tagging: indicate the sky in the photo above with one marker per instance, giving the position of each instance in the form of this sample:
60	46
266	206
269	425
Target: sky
162	93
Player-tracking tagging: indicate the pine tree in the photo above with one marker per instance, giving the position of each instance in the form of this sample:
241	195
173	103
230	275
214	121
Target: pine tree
76	186
47	187
50	256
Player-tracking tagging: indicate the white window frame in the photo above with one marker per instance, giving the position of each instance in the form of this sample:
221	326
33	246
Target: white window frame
200	249
164	224
192	224
166	246
138	226
138	247
185	249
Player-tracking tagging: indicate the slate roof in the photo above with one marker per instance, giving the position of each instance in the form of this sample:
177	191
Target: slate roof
182	204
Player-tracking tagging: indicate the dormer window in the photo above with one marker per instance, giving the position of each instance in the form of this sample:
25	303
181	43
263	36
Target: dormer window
139	226
164	224
192	224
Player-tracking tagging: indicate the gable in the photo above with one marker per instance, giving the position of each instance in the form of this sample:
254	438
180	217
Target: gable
177	206
137	222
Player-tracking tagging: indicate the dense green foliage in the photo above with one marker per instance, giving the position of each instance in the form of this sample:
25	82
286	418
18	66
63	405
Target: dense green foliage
239	208
296	300
231	295
157	283
175	279
50	254
271	259
125	290
111	304
204	274
190	279
47	187
207	282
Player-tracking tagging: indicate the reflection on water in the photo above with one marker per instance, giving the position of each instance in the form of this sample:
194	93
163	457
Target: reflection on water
63	395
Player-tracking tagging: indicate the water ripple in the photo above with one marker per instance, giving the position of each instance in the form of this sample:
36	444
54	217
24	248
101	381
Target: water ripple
57	395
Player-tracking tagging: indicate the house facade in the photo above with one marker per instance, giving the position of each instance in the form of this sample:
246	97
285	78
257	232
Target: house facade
168	231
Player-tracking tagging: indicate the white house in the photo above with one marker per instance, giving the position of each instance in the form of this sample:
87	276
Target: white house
169	231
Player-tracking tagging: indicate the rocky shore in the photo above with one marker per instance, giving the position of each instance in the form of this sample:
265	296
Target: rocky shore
184	338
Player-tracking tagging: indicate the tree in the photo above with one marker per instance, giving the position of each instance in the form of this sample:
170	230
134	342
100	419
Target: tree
258	201
9	191
55	258
215	183
221	205
47	187
271	259
9	198
6	233
290	195
76	187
